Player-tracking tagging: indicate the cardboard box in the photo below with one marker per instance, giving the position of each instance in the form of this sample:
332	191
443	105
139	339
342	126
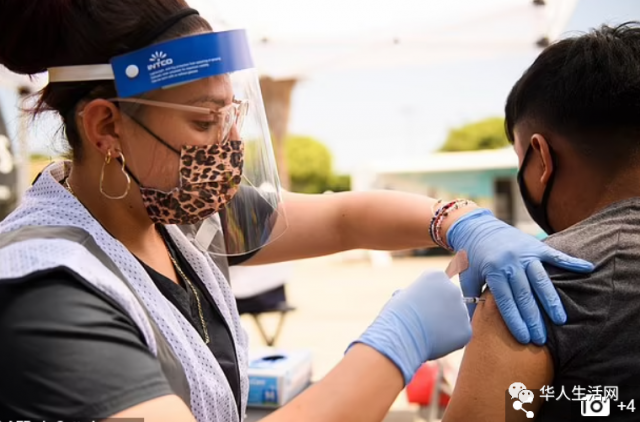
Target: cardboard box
277	376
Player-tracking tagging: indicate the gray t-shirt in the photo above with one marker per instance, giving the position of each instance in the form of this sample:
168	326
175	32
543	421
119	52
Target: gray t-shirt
600	343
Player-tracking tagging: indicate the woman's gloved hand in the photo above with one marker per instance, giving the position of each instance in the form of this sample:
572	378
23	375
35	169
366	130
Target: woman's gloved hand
511	263
425	321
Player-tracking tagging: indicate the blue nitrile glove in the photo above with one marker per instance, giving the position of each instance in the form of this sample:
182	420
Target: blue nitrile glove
511	263
425	321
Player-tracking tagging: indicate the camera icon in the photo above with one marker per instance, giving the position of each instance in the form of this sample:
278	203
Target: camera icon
595	405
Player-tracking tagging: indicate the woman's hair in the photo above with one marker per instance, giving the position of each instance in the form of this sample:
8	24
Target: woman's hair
38	34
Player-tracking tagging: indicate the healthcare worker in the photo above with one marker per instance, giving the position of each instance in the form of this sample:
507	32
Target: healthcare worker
112	301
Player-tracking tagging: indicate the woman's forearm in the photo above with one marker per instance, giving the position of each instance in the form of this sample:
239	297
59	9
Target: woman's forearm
387	220
318	225
361	388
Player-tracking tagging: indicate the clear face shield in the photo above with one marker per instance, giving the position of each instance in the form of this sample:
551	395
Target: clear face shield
199	148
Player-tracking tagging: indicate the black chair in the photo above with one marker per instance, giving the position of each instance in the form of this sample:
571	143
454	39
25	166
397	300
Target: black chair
271	301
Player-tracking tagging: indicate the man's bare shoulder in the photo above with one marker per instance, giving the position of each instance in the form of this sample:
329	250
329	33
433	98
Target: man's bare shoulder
492	361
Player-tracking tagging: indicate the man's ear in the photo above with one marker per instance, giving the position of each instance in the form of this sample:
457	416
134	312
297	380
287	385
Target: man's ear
541	147
101	122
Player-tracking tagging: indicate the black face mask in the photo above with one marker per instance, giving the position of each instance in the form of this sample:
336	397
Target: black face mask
537	212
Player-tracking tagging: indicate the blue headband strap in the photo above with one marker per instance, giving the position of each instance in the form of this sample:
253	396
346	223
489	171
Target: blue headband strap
181	60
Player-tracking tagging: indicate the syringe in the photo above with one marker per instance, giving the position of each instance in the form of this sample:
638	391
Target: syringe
472	299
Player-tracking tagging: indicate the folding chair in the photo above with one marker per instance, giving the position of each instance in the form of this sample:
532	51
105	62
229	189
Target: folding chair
271	301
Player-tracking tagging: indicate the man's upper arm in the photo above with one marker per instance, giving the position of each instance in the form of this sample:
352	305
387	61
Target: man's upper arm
492	361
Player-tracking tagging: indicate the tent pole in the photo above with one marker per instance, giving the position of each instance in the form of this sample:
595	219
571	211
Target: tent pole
276	94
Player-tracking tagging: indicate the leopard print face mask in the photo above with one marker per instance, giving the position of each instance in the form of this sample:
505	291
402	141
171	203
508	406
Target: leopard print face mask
209	178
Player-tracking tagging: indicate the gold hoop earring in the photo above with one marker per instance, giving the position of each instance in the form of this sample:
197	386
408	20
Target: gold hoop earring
107	160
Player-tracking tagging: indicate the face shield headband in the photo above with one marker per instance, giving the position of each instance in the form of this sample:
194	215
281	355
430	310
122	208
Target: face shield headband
167	64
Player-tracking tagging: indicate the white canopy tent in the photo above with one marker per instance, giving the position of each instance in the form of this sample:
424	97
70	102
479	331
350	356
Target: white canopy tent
293	39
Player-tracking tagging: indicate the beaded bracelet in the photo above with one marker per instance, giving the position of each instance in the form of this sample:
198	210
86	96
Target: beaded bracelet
435	228
435	214
440	216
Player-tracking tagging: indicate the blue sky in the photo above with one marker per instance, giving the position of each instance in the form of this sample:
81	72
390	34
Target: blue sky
364	115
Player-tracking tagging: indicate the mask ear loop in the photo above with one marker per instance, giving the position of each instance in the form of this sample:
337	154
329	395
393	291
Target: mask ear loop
544	202
106	162
150	132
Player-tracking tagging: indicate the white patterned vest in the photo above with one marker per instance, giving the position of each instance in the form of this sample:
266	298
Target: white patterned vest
47	203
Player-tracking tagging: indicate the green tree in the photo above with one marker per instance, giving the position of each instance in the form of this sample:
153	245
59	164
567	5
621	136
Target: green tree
339	183
310	164
484	134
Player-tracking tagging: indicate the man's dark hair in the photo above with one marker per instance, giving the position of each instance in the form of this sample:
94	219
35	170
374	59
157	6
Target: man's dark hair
586	89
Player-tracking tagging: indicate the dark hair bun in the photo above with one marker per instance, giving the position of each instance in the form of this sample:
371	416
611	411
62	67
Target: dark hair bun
33	33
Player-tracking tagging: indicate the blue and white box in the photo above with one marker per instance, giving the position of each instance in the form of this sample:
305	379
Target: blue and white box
277	376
